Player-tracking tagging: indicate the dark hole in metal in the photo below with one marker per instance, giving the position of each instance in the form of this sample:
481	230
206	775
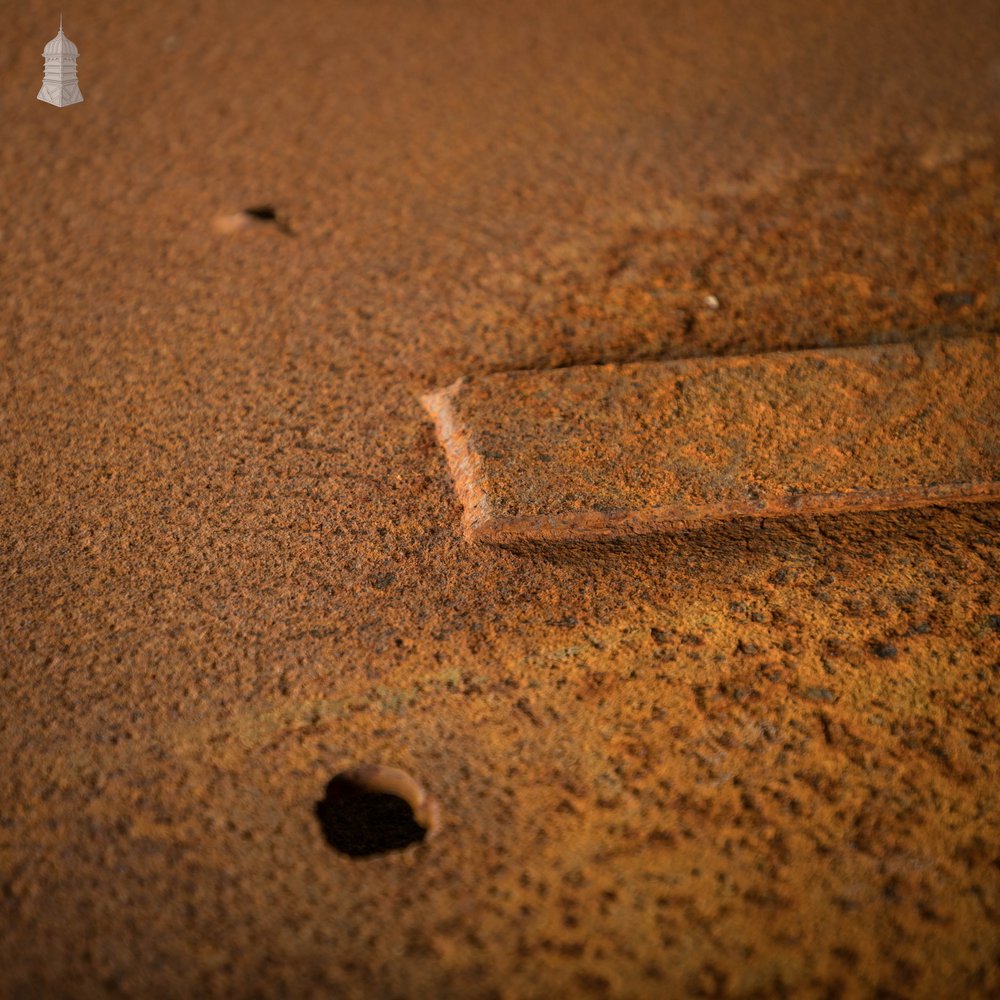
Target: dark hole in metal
264	212
360	822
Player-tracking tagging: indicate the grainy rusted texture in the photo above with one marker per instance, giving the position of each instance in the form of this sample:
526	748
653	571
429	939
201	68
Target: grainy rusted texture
605	452
760	760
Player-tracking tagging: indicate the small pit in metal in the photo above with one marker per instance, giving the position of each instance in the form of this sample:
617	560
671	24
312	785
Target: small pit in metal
371	810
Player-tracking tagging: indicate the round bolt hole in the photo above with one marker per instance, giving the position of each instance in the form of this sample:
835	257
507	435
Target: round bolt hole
373	809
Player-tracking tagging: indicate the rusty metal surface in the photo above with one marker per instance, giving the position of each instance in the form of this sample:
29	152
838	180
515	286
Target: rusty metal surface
606	452
760	759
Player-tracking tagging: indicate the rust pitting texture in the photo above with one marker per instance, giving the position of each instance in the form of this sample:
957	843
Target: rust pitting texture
607	451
